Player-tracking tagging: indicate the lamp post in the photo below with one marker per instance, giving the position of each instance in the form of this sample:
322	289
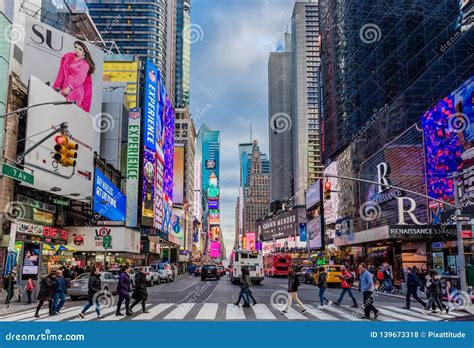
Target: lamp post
64	102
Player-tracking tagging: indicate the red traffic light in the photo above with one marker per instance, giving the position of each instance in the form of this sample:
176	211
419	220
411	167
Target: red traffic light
327	186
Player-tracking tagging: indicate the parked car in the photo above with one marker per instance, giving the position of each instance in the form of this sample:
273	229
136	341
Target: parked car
165	271
197	271
132	274
209	271
221	270
152	276
79	287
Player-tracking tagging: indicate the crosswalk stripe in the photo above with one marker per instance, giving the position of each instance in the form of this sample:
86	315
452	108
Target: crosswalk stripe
262	312
44	315
91	313
24	314
234	313
293	314
153	312
64	315
180	312
343	314
394	314
451	313
320	314
208	311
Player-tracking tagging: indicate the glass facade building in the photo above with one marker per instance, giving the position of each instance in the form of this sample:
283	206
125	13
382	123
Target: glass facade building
138	27
208	151
183	52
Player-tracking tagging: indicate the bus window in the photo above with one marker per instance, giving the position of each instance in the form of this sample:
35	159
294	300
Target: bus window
251	256
236	256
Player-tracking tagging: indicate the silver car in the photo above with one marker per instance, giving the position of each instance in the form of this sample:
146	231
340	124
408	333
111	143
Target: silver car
80	286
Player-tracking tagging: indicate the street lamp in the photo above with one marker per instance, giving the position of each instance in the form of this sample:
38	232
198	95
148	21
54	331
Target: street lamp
65	102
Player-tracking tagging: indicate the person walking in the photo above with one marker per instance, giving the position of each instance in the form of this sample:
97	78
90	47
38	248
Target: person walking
347	280
59	292
322	284
293	284
30	286
94	289
434	286
412	286
140	294
9	286
367	288
46	293
123	289
244	288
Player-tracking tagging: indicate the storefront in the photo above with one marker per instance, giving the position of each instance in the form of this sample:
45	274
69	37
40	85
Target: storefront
109	246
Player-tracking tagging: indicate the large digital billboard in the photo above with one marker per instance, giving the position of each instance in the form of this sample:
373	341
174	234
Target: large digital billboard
109	201
133	166
215	249
148	187
71	66
67	181
168	150
178	174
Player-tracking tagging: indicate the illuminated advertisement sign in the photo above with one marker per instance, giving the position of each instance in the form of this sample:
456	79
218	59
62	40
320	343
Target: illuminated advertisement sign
159	209
152	121
214	219
133	166
177	225
109	201
215	249
210	164
178	174
213	192
214	204
250	240
167	214
148	190
168	150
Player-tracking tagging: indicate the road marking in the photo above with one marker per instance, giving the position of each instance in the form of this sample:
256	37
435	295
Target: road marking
451	314
45	312
208	311
154	311
180	312
234	312
91	314
293	314
320	314
23	314
262	312
420	314
350	316
400	315
59	317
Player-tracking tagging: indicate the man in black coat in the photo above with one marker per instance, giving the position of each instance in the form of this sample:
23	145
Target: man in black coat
46	293
412	286
140	293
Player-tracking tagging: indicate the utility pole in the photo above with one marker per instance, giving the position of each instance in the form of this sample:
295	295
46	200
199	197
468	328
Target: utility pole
67	102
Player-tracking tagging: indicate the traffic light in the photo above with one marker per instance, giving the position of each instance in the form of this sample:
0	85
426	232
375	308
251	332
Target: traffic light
65	150
327	190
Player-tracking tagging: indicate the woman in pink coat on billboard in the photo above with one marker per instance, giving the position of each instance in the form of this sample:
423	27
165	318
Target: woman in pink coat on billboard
74	79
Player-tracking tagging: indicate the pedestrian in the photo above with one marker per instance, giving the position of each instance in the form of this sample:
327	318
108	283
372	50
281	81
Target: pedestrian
59	292
9	286
244	288
250	293
94	289
123	289
140	294
412	286
433	284
29	289
322	284
367	288
46	293
293	284
347	280
380	278
67	274
387	278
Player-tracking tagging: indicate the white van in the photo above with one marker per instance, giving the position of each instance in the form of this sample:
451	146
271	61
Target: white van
249	258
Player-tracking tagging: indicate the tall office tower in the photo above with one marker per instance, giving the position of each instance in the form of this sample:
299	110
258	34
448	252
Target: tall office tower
281	138
138	27
185	133
171	62
245	149
384	63
183	53
256	203
305	48
207	151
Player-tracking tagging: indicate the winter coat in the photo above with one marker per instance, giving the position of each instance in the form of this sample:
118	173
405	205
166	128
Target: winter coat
123	286
95	285
322	283
46	288
74	73
412	281
60	286
366	282
293	282
245	282
140	292
345	284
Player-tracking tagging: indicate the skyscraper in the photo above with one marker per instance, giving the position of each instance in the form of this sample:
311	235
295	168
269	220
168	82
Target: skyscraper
281	140
183	53
305	48
138	27
207	151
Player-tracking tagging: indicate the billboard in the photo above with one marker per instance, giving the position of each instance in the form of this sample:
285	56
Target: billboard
109	201
177	225
214	204
250	240
86	238
67	181
313	194
314	232
133	166
281	226
210	164
215	249
178	174
168	150
50	55
159	212
331	206
148	187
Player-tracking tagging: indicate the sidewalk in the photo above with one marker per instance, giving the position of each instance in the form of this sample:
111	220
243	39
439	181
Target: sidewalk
16	307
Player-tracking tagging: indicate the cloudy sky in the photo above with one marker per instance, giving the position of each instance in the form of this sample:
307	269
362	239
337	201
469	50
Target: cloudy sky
231	41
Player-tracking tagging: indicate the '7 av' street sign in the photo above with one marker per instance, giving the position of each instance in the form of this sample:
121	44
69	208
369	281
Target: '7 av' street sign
17	174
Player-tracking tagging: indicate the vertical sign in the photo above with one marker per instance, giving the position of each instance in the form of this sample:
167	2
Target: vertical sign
133	166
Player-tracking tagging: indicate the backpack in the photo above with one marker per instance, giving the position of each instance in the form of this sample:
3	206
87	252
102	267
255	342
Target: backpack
350	280
380	275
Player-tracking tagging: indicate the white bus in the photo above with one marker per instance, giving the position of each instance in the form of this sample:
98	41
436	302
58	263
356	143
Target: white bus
249	258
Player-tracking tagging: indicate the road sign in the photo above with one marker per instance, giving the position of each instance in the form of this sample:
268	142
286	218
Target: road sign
107	242
462	218
17	174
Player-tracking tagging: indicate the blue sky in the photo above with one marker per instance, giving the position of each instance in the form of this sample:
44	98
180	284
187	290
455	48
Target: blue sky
230	45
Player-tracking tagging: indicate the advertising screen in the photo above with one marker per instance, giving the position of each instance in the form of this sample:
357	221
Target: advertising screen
168	150
313	194
49	55
314	232
177	225
167	214
109	201
250	240
178	174
214	204
210	164
133	166
68	181
30	260
159	212
215	249
148	187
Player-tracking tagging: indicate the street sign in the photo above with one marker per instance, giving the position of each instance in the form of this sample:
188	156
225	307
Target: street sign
17	174
107	242
63	202
462	218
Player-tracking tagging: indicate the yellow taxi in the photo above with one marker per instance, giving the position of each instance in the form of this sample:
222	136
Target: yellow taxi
333	277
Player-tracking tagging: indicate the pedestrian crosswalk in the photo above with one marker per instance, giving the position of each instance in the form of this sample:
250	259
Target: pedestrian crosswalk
229	312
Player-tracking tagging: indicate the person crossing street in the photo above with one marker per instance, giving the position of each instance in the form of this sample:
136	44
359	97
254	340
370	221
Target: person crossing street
59	292
293	284
123	289
140	294
347	280
367	288
94	288
45	293
412	288
322	284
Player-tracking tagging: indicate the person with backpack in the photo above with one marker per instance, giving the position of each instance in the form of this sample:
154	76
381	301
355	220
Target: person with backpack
412	286
293	284
322	284
347	280
380	278
433	283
